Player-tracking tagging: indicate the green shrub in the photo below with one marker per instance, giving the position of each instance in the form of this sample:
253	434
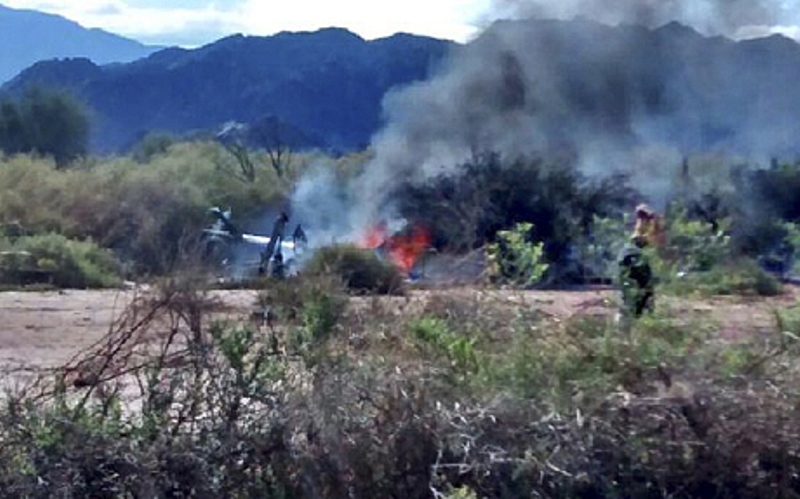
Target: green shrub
151	145
309	308
601	248
458	349
579	364
62	262
737	360
515	258
699	258
321	312
697	246
740	277
360	270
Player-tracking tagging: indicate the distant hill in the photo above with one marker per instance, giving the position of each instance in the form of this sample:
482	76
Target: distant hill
327	85
29	36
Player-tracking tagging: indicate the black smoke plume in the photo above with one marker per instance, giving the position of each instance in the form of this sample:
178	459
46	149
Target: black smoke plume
628	98
711	17
623	89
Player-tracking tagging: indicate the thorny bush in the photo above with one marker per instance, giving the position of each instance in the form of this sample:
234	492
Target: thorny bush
182	399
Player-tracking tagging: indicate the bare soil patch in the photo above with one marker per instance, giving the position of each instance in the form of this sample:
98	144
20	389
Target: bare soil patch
40	330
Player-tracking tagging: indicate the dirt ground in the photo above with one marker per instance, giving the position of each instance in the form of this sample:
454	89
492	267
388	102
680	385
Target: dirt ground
46	329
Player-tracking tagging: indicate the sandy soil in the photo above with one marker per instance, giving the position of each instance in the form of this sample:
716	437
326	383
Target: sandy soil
46	329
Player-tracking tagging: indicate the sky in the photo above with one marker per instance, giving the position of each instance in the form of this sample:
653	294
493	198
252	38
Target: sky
192	23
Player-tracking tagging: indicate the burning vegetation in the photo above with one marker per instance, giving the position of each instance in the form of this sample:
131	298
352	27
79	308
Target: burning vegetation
404	248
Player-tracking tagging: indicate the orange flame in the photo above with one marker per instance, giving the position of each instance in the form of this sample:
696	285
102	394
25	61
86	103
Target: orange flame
375	236
404	249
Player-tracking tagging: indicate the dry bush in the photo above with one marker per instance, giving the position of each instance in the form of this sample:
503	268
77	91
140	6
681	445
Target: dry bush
721	443
178	402
492	193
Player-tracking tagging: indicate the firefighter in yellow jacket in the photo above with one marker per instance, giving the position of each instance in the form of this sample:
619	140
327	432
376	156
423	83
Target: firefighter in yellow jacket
649	227
636	277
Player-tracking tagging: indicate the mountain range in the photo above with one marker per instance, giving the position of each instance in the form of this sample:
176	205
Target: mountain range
29	36
328	83
555	82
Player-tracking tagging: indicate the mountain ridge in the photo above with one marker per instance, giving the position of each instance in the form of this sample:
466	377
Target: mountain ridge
668	84
28	36
327	83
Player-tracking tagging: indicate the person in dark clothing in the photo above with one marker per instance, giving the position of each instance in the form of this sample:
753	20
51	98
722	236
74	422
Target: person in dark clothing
636	279
274	242
278	269
299	237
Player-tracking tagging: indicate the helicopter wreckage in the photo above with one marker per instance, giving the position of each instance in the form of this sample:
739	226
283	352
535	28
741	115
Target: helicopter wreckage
240	254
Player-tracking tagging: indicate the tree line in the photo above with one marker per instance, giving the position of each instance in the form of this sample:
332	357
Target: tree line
46	122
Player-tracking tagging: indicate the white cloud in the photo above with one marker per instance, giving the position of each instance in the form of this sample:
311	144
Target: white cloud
441	18
747	32
196	22
211	19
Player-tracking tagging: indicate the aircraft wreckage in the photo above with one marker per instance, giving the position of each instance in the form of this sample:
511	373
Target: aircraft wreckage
240	255
239	252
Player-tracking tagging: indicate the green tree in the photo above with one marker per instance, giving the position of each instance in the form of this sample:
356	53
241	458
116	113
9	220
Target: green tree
51	123
57	125
12	128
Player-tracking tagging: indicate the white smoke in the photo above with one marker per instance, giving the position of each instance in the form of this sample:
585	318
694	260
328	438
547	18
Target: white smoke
324	206
332	208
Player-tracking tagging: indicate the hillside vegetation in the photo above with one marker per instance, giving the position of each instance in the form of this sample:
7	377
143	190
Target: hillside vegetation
150	215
